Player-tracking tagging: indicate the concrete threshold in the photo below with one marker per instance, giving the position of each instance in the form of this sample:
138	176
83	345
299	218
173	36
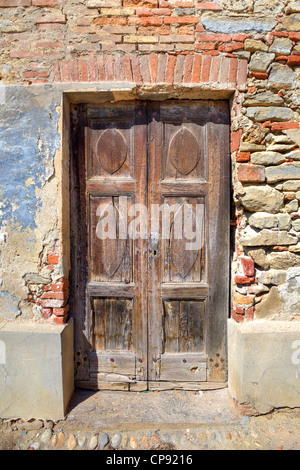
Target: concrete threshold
130	411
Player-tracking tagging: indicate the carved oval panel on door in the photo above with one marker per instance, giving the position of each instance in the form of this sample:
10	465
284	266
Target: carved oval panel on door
113	247
183	151
109	245
182	259
111	150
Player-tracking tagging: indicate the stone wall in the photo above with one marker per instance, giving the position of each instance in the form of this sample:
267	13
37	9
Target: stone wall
251	48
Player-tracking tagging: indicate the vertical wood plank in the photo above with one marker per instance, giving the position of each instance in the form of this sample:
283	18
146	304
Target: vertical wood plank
218	241
183	327
78	274
155	315
99	324
140	250
171	326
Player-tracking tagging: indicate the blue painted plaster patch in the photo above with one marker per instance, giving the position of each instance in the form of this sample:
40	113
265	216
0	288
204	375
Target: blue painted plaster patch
9	304
29	139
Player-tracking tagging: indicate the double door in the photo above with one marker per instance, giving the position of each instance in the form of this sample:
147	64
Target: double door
150	244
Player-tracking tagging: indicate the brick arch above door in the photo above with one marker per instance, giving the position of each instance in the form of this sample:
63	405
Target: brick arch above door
154	69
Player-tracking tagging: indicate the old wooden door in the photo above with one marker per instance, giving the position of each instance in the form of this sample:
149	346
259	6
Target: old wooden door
150	237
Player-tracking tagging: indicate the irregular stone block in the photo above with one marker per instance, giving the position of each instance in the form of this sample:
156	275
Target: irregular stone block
238	6
292	206
258	289
36	279
295	248
269	238
295	155
293	185
266	7
260	61
259	257
280	147
273	277
46	436
267	158
296	225
262	199
251	147
263	99
82	440
271	113
254	45
254	135
262	220
282	76
284	221
283	260
279	138
296	95
292	7
286	171
291	22
270	306
243	55
290	292
232	24
281	46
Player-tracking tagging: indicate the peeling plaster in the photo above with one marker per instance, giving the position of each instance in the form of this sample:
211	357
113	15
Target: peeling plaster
26	152
29	140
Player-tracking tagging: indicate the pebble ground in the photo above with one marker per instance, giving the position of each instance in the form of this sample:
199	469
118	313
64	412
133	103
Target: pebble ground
118	421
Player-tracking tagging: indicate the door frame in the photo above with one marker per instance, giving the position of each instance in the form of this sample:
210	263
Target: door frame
92	97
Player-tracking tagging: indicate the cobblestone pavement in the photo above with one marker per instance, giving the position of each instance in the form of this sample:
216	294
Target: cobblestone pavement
155	421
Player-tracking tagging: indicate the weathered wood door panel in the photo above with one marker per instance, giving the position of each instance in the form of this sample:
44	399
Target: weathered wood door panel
189	170
110	289
150	254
